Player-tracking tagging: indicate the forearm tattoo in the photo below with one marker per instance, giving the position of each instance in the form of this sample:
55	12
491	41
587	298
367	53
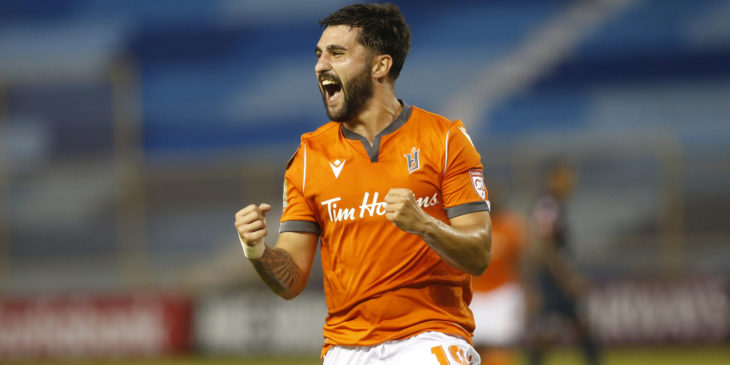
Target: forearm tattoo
278	270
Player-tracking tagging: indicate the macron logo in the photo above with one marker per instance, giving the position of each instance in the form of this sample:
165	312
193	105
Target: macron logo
337	167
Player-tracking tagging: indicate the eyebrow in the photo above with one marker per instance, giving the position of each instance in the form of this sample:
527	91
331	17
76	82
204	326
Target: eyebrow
331	47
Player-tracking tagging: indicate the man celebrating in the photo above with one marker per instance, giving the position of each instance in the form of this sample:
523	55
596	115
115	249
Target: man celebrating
395	193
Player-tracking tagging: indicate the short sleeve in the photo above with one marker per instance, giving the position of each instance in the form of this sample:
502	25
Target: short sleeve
298	215
462	186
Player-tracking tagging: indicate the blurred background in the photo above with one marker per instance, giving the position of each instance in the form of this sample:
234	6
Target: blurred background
132	131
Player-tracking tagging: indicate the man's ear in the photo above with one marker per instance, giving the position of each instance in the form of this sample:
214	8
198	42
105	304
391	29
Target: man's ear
381	66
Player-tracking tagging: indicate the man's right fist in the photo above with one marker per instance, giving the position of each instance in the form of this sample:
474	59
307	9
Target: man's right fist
251	224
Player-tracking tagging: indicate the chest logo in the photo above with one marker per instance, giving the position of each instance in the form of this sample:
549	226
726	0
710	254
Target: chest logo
337	166
413	160
370	207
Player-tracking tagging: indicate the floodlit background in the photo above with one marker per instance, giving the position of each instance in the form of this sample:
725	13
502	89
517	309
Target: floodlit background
132	131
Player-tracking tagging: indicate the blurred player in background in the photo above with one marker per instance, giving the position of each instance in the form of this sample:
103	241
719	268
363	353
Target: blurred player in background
556	285
498	303
396	196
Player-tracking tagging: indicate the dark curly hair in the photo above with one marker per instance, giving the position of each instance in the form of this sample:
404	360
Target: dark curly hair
383	30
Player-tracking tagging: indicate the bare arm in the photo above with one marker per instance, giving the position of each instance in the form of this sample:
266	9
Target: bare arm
284	268
465	244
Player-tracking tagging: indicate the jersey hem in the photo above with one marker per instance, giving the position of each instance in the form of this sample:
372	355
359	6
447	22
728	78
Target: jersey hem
328	344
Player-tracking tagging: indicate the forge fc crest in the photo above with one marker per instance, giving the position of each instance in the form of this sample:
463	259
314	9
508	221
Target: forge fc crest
413	160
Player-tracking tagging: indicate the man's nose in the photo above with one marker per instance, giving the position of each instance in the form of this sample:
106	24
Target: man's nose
322	65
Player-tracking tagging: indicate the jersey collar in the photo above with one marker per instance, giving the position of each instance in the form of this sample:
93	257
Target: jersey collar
392	127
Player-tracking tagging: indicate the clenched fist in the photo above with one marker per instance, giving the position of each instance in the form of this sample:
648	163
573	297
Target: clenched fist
402	209
251	224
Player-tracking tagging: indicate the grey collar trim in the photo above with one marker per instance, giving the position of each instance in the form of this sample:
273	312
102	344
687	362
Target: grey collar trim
375	148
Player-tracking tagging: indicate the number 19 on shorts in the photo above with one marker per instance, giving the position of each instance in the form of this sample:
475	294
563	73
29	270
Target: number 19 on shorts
456	357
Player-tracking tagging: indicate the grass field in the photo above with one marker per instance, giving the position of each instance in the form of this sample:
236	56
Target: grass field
717	355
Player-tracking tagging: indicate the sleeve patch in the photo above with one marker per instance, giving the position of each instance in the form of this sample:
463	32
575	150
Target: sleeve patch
284	198
477	181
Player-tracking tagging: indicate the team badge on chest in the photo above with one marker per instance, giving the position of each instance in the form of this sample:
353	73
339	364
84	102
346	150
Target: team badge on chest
413	160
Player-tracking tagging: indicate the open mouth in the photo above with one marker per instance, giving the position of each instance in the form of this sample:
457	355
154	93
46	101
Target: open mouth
332	89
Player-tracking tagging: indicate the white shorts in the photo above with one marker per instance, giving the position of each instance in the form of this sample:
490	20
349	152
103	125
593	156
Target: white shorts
499	316
429	348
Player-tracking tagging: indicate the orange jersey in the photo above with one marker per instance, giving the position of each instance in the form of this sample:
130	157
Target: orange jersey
380	282
508	231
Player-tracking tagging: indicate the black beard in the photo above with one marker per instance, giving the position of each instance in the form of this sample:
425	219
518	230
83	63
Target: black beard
356	93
